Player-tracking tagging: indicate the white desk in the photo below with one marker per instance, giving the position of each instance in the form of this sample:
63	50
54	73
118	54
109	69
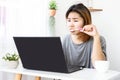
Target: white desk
85	74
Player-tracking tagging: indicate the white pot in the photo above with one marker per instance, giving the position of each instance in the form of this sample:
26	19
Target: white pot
10	64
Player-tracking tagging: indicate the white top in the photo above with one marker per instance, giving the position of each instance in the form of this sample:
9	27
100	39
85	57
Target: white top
85	74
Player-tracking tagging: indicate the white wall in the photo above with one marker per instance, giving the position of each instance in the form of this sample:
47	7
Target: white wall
23	18
107	22
109	27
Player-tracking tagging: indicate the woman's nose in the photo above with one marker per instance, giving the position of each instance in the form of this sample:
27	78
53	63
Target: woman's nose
71	24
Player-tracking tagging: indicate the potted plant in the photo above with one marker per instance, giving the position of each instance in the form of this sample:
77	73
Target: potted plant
52	7
11	60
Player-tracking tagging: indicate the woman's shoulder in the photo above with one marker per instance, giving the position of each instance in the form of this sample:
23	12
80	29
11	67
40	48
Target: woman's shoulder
66	38
102	37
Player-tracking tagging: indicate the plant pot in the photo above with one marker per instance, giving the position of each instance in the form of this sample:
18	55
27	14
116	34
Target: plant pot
52	12
10	64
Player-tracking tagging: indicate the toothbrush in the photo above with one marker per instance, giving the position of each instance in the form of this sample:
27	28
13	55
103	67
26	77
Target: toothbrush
79	29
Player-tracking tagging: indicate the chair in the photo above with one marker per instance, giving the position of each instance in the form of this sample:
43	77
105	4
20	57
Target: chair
19	77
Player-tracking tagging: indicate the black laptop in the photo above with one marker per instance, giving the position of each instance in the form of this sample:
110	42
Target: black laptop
42	53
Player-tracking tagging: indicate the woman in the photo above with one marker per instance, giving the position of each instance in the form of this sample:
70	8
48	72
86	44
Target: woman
84	45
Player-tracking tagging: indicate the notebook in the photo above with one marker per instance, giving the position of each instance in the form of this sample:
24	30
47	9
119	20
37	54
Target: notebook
42	53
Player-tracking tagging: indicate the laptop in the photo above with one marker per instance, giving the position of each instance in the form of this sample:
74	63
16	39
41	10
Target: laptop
42	53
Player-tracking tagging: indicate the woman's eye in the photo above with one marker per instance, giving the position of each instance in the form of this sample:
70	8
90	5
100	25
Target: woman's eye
68	20
75	20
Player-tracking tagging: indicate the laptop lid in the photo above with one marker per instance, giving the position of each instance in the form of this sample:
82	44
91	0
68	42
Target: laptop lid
41	53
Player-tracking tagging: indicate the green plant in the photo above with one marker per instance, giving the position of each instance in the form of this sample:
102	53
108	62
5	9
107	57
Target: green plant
11	57
52	4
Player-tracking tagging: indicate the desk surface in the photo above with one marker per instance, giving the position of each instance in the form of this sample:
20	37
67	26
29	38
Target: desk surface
85	74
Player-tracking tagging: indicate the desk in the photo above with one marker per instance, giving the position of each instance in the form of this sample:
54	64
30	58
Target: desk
85	74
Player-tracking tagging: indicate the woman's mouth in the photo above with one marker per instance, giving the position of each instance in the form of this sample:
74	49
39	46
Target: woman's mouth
78	29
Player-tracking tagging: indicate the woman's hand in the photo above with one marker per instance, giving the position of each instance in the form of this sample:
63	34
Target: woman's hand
90	30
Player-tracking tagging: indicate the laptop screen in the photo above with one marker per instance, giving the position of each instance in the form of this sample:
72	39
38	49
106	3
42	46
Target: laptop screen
41	53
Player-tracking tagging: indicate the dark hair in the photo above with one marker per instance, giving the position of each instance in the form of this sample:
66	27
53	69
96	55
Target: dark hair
82	10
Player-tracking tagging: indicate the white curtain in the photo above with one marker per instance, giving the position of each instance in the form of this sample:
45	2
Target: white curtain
21	18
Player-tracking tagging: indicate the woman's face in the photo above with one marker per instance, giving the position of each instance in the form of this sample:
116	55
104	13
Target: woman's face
74	22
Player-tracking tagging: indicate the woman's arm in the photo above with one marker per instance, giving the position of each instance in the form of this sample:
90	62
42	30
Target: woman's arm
97	52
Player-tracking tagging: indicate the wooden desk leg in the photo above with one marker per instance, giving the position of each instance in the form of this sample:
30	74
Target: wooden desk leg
18	77
37	78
